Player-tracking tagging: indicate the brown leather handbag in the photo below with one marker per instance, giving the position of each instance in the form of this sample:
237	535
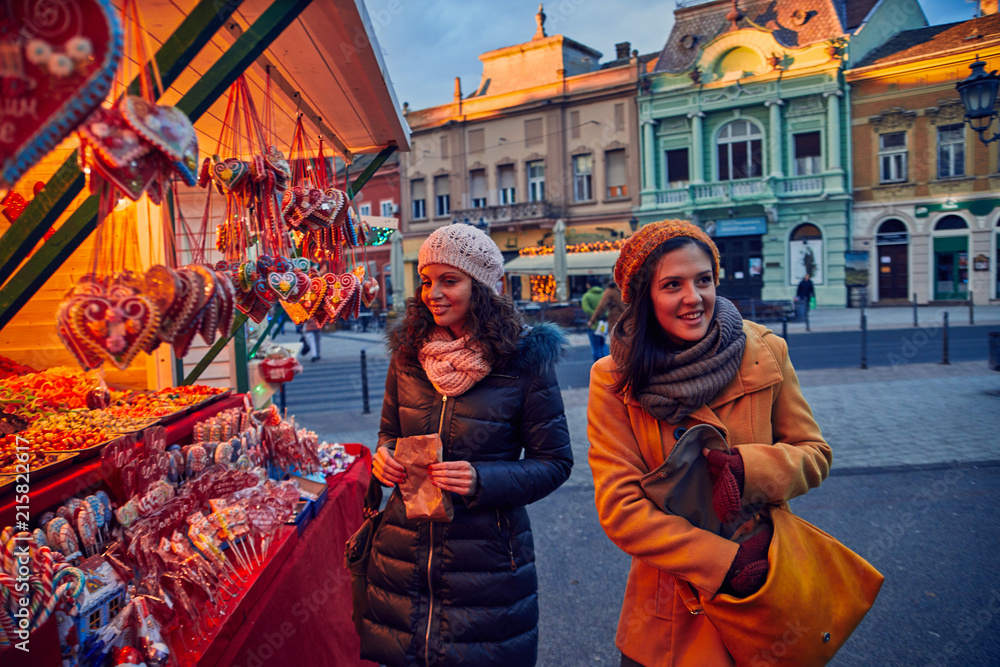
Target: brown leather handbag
817	590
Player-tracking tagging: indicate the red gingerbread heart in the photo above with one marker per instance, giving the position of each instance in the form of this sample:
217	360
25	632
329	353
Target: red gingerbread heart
56	71
369	290
342	290
227	302
119	328
88	357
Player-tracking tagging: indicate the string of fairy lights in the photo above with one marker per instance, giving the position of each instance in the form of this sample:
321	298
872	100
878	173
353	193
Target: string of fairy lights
543	287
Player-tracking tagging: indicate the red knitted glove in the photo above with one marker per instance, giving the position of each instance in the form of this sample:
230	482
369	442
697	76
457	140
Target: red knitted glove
749	569
726	471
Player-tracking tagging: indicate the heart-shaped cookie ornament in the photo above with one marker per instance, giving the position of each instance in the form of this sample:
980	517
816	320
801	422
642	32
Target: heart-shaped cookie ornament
117	329
342	290
282	283
229	174
88	357
369	290
55	72
167	128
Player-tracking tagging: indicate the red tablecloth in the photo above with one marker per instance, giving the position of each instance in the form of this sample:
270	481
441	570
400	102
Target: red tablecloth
304	615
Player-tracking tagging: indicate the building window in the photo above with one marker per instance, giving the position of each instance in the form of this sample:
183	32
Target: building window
619	117
739	151
388	207
574	124
505	179
614	165
418	195
365	209
892	157
94	620
536	180
533	132
583	171
444	146
114	607
477	141
807	154
442	196
951	151
477	187
678	171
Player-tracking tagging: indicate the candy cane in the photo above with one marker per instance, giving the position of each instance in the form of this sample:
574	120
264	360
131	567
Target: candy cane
7	583
76	589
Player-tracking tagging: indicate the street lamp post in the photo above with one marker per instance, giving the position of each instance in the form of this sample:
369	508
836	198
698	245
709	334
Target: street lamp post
979	95
633	224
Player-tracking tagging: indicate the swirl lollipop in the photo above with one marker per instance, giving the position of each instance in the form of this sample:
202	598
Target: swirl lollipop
86	527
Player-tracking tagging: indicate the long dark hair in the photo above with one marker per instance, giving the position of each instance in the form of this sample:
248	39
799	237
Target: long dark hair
494	324
643	347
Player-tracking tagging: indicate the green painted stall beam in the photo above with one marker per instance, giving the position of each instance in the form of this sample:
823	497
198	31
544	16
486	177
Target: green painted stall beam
172	58
369	171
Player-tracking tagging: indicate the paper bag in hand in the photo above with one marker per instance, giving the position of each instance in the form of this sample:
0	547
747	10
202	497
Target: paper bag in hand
423	500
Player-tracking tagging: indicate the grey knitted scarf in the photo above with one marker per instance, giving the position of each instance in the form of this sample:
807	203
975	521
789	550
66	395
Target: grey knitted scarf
693	376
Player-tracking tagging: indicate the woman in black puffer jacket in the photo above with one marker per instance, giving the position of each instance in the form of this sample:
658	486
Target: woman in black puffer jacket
463	365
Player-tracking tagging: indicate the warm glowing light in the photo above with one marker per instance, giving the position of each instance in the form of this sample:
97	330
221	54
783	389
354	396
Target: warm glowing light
596	246
543	288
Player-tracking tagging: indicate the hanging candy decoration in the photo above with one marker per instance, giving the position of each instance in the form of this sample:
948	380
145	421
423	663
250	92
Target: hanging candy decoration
57	62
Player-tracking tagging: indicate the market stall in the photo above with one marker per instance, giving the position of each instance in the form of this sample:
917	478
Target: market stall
173	186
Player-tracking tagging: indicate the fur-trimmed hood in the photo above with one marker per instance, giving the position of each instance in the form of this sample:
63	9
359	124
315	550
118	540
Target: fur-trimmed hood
540	346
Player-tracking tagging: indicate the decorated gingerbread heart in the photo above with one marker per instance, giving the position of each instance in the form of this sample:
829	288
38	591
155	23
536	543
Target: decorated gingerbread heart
369	290
167	128
229	174
282	283
58	63
88	357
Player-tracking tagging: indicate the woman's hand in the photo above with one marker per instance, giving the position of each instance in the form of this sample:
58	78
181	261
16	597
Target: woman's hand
456	476
386	469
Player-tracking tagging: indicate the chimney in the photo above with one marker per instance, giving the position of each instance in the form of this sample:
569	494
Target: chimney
458	89
622	48
987	7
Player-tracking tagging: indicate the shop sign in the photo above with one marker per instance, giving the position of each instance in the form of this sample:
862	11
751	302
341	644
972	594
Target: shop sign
741	226
898	238
981	263
978	207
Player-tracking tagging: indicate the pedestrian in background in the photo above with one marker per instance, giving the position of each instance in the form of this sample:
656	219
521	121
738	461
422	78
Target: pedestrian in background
805	292
589	304
313	333
465	366
609	308
682	356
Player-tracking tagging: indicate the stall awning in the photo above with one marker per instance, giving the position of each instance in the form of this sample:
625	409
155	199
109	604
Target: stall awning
578	264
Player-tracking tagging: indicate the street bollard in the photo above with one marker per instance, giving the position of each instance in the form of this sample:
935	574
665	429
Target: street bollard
284	403
972	316
862	312
365	409
807	316
753	310
864	341
944	341
914	310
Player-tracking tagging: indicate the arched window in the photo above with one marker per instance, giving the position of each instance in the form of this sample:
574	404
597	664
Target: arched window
739	151
806	232
950	222
891	226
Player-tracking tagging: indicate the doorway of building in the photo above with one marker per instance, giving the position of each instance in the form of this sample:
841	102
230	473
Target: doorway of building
741	266
893	243
951	261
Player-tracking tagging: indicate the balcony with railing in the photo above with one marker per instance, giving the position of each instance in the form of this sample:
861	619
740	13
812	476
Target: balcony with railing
743	190
505	213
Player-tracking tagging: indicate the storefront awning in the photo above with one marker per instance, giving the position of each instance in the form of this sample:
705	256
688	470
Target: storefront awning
578	264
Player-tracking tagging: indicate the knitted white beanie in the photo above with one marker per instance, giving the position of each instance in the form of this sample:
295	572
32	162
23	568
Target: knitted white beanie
465	248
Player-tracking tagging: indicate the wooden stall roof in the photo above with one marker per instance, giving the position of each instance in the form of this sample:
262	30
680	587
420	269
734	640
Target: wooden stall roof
327	65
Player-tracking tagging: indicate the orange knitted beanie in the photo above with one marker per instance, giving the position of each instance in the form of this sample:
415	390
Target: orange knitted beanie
638	248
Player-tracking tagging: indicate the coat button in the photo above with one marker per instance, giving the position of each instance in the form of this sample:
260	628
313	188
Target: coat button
678	432
662	474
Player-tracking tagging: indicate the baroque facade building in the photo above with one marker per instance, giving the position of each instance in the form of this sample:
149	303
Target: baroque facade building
926	212
549	133
745	130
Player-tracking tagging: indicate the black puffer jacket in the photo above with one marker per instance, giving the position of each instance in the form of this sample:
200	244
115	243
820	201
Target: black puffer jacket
464	592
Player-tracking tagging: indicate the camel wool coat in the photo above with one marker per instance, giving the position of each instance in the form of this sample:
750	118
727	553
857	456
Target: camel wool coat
761	412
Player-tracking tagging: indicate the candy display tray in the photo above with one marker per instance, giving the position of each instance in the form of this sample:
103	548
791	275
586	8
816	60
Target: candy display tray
188	409
59	461
84	454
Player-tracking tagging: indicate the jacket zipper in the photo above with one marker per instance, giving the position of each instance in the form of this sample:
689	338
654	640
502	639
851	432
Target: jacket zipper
430	559
510	548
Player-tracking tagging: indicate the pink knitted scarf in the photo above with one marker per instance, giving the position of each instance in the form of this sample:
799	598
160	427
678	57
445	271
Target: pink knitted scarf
452	365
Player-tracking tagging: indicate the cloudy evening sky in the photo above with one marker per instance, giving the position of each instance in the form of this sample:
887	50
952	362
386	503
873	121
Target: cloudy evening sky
427	43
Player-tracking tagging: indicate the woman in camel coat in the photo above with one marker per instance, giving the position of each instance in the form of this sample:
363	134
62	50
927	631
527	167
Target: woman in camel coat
693	361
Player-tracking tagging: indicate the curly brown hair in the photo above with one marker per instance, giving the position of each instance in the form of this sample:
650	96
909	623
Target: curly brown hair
494	323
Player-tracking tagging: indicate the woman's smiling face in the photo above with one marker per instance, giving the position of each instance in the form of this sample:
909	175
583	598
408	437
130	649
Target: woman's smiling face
447	293
683	294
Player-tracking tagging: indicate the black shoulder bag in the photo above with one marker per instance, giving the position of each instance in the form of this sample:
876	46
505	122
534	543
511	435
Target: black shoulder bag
359	548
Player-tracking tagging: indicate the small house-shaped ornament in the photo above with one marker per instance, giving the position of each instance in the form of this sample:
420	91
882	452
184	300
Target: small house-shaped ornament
103	597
